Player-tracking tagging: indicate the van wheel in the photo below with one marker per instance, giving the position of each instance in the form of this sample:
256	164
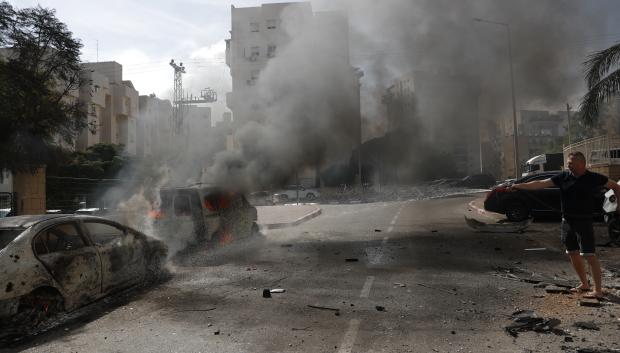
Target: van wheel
255	230
517	212
614	230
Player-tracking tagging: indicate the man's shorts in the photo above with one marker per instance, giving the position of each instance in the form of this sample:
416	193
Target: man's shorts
578	235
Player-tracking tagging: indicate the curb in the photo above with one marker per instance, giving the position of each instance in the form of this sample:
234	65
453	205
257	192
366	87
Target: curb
297	222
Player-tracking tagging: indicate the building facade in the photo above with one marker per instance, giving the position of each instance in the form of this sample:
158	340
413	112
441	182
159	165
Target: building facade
112	105
154	126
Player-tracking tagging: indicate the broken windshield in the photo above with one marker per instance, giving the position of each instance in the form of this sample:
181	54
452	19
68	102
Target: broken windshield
7	235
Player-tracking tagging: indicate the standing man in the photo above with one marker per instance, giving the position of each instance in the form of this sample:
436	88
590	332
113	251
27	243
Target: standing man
578	187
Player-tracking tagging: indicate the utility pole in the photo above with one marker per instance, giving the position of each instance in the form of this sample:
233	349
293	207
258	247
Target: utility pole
177	109
207	95
568	107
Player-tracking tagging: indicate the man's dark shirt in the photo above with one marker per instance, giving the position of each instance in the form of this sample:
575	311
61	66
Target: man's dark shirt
578	193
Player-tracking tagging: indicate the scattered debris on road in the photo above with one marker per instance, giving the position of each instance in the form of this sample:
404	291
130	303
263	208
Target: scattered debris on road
535	249
266	293
378	230
401	285
528	320
586	325
587	302
277	290
552	289
504	227
351	260
322	307
380	308
438	289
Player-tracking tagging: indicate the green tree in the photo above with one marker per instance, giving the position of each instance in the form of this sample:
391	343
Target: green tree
39	82
603	80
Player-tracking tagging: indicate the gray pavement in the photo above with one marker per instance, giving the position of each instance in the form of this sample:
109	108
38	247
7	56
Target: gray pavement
434	280
283	216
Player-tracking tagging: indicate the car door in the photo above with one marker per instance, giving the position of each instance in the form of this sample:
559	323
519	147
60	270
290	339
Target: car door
547	200
122	255
71	260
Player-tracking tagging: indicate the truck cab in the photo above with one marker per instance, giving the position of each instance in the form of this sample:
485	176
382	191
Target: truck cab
547	162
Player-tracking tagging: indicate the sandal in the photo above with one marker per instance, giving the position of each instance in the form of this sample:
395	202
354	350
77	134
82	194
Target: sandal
579	289
594	295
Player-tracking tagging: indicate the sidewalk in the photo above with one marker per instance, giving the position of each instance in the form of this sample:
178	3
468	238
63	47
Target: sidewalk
283	216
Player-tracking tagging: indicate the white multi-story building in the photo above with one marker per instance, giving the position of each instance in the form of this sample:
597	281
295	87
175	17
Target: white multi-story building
112	105
154	126
290	36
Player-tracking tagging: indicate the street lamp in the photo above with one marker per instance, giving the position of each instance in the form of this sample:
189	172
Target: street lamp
512	86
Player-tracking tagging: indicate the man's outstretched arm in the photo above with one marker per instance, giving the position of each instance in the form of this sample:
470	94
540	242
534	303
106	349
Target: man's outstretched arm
534	185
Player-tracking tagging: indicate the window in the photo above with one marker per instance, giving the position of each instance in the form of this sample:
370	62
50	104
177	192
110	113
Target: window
254	27
271	24
96	88
271	51
254	53
93	109
104	233
63	237
182	206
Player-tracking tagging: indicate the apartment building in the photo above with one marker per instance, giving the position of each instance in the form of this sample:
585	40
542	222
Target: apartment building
112	105
154	126
417	102
264	35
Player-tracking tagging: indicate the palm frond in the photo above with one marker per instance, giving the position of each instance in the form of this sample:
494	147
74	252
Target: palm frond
600	63
602	91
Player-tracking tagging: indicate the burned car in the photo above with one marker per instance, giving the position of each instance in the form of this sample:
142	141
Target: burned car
54	263
205	213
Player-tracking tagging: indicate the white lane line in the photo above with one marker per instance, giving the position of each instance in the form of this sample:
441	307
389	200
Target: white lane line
390	229
349	337
367	285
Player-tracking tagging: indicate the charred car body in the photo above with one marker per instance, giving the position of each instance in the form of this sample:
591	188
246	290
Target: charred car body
203	213
53	263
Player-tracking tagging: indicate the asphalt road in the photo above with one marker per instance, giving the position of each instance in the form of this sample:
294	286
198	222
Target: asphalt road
418	280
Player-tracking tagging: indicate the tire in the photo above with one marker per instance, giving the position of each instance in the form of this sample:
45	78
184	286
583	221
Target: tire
155	269
39	306
613	229
310	196
517	212
255	230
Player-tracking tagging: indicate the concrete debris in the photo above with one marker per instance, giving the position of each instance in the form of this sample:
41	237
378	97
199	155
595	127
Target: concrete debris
556	290
592	303
277	290
378	230
518	227
527	320
597	350
535	249
402	285
266	293
380	308
586	325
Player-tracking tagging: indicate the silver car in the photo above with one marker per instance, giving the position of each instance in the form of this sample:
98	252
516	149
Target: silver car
53	263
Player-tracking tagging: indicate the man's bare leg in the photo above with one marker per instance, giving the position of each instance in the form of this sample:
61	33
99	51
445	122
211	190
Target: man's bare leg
595	267
580	267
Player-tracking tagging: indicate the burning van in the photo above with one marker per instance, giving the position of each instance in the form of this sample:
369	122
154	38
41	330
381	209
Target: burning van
204	213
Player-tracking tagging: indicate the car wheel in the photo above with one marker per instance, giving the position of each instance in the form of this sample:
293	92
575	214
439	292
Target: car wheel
517	212
38	306
614	230
155	268
255	230
310	196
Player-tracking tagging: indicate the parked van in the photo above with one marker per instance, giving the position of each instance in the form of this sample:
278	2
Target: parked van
205	212
548	162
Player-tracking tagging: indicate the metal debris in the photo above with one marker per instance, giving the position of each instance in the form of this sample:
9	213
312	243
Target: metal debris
586	325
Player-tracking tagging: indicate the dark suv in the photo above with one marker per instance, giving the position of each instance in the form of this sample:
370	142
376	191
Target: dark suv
520	205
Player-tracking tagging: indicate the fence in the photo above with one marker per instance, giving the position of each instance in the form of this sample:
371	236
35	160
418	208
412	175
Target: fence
69	194
601	150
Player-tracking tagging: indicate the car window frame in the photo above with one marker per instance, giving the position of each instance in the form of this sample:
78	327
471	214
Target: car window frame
81	234
107	222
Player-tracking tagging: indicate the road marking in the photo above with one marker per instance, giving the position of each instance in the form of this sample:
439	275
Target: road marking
367	285
349	338
390	229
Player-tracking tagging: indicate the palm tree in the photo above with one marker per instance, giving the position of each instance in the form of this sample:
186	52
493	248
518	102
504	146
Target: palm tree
603	78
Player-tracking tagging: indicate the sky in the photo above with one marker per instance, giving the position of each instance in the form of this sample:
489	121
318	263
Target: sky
143	35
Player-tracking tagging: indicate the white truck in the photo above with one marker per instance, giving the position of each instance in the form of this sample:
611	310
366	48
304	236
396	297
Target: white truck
547	162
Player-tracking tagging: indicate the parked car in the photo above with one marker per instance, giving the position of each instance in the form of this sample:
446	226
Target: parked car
205	212
260	198
54	263
611	216
520	205
289	193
